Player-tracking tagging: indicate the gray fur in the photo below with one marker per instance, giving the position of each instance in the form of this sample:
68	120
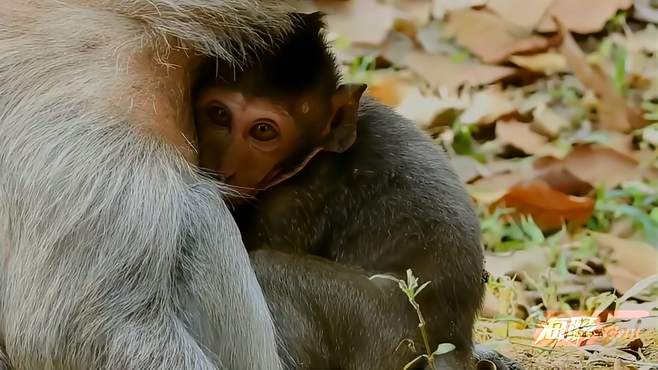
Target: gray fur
115	253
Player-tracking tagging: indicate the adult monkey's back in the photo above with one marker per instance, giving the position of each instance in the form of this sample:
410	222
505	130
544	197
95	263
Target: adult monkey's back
110	243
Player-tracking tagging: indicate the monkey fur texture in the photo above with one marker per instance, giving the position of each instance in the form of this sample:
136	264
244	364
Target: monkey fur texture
115	252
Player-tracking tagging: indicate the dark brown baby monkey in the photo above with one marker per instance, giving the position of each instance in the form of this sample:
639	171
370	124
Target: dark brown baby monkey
259	126
350	207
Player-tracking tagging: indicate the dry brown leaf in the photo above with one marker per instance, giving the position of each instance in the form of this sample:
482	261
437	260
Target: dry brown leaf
527	103
417	12
390	88
396	48
466	167
360	21
644	11
548	122
533	262
640	287
594	164
613	111
522	13
490	306
552	149
549	208
430	37
621	143
642	40
634	260
441	7
546	63
520	136
490	37
487	106
490	189
635	306
441	71
619	365
497	178
423	109
582	16
564	181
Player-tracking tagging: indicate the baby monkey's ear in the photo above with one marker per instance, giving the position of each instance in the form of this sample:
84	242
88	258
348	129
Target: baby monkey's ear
345	106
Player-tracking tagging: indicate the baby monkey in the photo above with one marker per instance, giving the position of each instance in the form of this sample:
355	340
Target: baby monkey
259	126
389	203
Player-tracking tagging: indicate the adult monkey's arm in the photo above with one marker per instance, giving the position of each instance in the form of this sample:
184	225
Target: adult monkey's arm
114	253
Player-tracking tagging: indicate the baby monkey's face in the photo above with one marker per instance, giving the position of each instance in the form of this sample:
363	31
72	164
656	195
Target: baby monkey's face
253	143
244	139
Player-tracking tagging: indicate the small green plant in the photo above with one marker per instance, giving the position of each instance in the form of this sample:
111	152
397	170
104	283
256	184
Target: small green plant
634	201
460	55
464	143
501	233
617	53
651	113
619	57
361	68
617	23
411	289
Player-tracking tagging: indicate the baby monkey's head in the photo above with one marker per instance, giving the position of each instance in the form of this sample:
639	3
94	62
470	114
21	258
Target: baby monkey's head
259	125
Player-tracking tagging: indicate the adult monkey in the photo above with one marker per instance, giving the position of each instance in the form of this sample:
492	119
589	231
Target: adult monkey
115	254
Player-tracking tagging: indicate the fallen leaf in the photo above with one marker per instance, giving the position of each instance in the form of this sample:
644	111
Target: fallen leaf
417	12
634	260
621	143
549	208
466	167
496	185
396	48
634	306
562	180
491	38
347	18
487	106
484	197
594	164
441	71
552	149
645	11
533	262
441	7
643	40
619	365
520	136
527	103
640	286
613	111
431	38
391	87
546	63
522	13
490	306
420	108
582	16
346	54
548	122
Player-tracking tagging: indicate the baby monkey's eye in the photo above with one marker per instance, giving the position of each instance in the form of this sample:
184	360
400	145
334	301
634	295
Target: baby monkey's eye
220	115
264	131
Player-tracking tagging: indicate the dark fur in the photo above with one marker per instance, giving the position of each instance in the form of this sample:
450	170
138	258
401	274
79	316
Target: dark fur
296	66
389	203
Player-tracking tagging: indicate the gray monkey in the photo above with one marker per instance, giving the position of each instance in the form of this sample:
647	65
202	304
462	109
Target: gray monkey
114	252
